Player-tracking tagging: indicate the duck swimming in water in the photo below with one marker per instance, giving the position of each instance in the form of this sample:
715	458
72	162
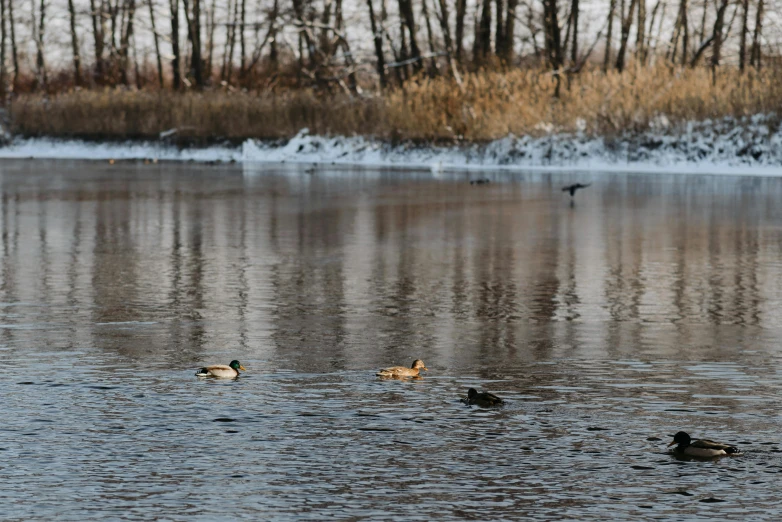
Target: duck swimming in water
401	371
700	447
221	371
484	399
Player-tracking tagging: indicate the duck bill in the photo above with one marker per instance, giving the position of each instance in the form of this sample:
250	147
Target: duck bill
425	369
242	368
672	443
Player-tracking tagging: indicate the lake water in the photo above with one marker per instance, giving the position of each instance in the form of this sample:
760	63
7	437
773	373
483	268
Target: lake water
650	305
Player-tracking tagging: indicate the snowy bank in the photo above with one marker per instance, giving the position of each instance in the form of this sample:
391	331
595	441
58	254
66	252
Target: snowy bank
750	146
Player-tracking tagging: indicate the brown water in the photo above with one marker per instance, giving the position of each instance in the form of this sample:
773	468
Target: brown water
649	306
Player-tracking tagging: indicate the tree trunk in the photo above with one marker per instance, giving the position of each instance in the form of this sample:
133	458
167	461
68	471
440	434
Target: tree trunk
406	10
74	45
242	43
626	24
641	32
429	36
461	12
210	18
609	35
553	40
484	33
685	32
229	61
648	44
754	58
3	71
126	33
378	38
175	62
499	28
14	53
443	18
510	32
98	36
574	18
273	56
716	48
743	34
40	64
196	63
157	44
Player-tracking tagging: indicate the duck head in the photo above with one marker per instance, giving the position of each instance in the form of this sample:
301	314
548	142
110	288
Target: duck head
680	438
418	364
236	365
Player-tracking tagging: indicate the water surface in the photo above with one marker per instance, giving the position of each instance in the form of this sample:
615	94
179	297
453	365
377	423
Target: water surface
650	305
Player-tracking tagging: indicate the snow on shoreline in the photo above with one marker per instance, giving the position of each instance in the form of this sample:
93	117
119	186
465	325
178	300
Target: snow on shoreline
723	147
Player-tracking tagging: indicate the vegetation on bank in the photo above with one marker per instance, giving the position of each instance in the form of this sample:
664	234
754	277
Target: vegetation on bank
484	106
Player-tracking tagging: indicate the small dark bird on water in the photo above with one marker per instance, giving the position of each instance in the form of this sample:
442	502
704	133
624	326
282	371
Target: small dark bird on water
484	399
481	181
574	187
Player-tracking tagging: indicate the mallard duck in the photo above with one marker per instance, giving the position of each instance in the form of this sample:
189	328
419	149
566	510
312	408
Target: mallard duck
700	447
401	371
221	371
484	399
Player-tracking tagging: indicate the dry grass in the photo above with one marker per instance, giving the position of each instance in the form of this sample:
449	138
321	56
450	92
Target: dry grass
490	105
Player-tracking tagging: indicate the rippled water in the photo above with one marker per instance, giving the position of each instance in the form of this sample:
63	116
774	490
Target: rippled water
649	306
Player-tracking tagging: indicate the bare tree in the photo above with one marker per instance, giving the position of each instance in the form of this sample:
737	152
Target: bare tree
406	10
176	66
499	27
126	34
14	53
716	46
609	34
754	59
553	40
574	17
626	24
97	32
461	12
641	32
483	35
429	37
40	64
196	63
74	45
156	39
510	31
3	71
444	27
378	39
743	34
242	44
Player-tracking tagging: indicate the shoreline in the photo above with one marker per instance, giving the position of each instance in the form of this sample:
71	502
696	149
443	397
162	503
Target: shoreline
725	147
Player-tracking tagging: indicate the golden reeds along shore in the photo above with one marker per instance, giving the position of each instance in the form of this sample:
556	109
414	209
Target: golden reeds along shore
488	106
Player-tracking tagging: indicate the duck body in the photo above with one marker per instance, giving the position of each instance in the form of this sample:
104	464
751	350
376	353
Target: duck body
399	372
574	187
484	399
221	371
702	448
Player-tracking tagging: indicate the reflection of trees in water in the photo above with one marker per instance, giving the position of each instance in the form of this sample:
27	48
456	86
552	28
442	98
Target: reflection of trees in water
308	282
436	261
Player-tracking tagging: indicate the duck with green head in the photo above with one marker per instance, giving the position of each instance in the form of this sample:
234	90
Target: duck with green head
700	447
221	371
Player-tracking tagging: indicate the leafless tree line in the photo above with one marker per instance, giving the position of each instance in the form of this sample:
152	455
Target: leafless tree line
333	44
